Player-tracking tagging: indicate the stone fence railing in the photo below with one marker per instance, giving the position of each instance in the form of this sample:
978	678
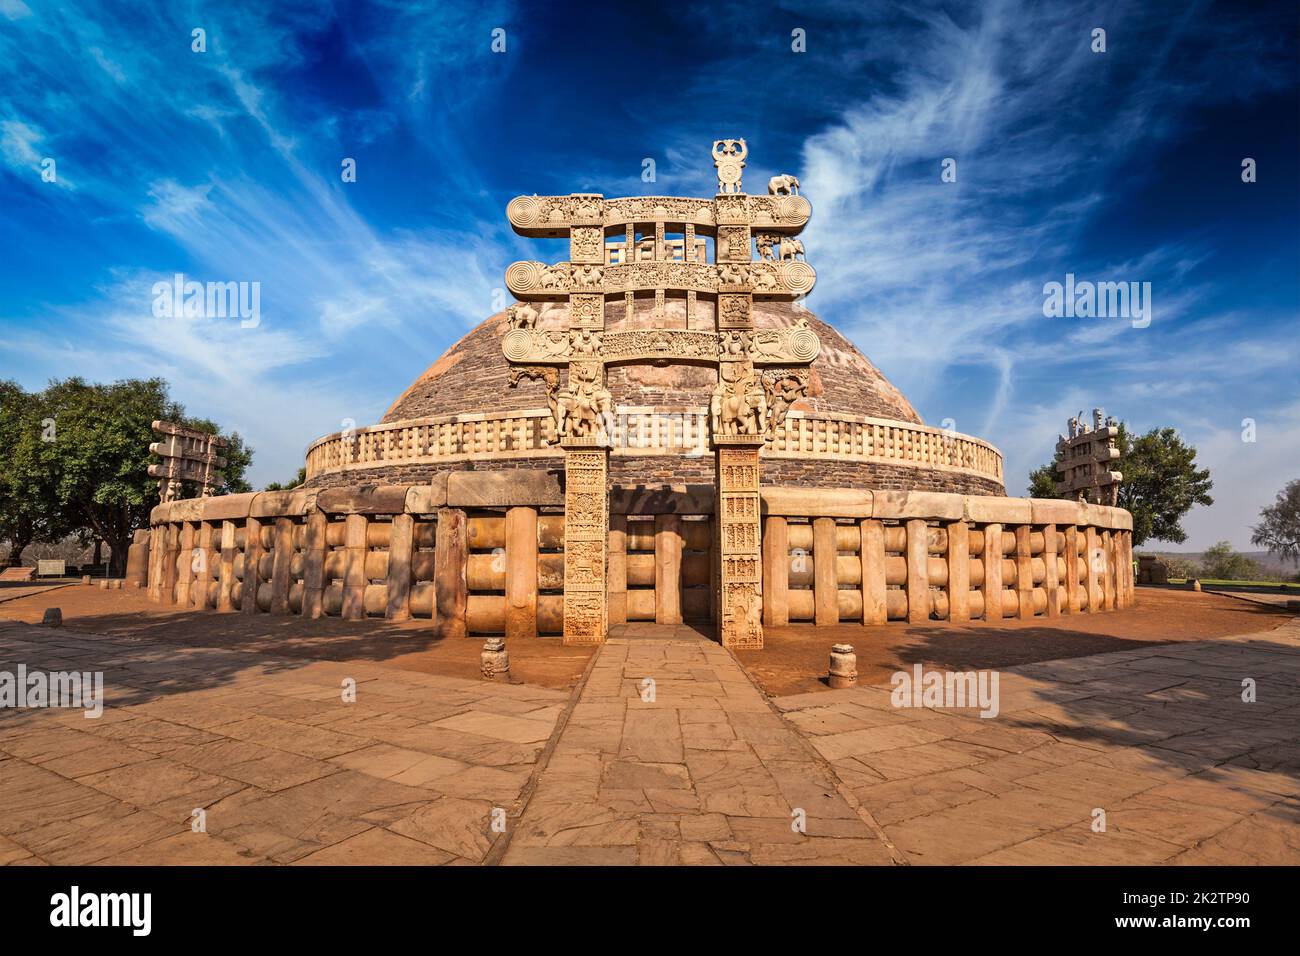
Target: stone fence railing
483	554
647	431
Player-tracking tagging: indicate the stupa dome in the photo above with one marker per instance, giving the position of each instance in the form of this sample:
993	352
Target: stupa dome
853	426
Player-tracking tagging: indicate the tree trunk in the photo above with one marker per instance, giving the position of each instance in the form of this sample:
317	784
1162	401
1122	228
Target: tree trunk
117	549
16	548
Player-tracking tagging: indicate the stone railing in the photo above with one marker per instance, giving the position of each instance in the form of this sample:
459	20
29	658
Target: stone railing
649	431
482	553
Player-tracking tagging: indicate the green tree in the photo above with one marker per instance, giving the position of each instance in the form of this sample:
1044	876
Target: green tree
29	510
94	455
298	479
1161	482
1221	563
1279	526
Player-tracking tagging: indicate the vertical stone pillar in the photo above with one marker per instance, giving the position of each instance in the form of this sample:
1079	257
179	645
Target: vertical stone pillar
313	565
521	573
586	537
203	578
225	588
157	559
450	565
875	607
400	546
252	558
616	581
958	572
826	601
668	569
185	572
1024	572
1094	576
918	572
1072	603
776	571
282	558
740	578
992	586
1051	582
1111	569
354	568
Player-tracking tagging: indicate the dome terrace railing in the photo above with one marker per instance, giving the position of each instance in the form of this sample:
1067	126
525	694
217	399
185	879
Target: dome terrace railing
640	430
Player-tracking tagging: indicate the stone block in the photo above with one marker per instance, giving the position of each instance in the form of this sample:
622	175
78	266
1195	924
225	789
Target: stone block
917	504
504	489
1057	511
819	502
427	499
986	509
228	507
275	504
364	500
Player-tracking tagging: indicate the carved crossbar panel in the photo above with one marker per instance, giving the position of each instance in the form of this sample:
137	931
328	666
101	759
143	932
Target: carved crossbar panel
786	279
789	346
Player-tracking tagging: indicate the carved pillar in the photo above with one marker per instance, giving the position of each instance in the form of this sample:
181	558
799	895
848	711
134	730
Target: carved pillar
740	579
586	538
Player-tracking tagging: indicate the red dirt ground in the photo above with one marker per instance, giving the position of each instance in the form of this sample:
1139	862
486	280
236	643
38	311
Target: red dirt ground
408	646
791	663
794	659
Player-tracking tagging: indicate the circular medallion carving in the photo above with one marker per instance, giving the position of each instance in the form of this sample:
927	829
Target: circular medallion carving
523	210
794	210
517	345
523	276
799	277
804	345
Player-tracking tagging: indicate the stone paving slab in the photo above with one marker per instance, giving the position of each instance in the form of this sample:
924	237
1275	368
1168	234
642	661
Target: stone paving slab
285	770
702	771
1159	739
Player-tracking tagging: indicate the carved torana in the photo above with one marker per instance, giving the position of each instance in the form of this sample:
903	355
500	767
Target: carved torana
617	249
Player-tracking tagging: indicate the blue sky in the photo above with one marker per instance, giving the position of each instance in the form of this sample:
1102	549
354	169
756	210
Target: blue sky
225	165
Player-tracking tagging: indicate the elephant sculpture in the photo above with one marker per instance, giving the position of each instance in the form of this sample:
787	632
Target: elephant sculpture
790	249
783	185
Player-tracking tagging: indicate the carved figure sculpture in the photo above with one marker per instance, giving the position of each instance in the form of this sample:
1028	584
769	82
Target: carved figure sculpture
783	185
765	242
582	406
729	159
522	316
789	249
739	404
782	391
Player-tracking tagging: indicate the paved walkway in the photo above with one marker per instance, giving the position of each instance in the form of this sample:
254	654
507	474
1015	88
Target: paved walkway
1159	738
285	769
697	767
671	756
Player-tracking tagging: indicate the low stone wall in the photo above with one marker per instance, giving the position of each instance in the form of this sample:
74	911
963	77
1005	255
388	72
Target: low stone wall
482	553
